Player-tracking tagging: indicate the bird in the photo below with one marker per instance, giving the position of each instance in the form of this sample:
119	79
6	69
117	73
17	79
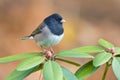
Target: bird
49	33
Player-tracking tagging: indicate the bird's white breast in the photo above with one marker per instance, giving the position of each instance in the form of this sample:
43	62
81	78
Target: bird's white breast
46	38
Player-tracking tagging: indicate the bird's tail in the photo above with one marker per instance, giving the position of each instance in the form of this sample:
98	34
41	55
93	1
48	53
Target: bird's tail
26	37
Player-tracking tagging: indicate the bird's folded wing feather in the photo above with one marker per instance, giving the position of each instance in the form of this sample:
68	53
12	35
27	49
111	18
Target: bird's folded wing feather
38	30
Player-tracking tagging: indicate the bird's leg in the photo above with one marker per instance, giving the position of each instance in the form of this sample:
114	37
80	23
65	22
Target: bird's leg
43	50
53	53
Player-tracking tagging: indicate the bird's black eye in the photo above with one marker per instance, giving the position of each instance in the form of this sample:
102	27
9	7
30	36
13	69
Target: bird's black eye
59	19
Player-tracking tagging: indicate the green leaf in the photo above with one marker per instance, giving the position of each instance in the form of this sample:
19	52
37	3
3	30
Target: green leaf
86	70
73	54
52	71
117	50
68	75
30	63
90	49
67	61
116	67
38	68
18	57
20	75
101	58
105	43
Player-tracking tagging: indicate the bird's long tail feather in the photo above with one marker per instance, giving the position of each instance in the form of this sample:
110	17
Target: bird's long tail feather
26	37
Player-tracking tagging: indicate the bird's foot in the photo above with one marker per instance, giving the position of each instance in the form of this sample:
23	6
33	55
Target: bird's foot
52	51
49	55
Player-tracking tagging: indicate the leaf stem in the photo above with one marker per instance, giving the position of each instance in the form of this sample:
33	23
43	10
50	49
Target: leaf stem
67	61
40	76
105	71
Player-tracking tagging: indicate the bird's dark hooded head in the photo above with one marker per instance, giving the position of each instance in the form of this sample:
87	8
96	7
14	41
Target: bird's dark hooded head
54	23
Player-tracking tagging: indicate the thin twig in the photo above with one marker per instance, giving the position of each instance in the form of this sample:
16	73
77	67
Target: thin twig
105	71
40	76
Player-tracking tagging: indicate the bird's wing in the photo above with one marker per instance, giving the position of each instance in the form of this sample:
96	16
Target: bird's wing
38	30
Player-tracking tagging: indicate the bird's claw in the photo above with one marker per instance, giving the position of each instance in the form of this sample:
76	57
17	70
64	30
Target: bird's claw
49	55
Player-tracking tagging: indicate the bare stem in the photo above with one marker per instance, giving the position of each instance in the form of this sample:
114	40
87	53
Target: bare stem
105	71
40	76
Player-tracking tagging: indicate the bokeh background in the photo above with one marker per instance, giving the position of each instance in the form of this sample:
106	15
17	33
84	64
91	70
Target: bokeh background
87	21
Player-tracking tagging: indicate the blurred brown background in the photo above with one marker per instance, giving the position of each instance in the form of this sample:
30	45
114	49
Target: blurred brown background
87	21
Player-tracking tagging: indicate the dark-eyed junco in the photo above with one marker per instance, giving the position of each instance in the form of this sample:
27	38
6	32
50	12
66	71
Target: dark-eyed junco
49	32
